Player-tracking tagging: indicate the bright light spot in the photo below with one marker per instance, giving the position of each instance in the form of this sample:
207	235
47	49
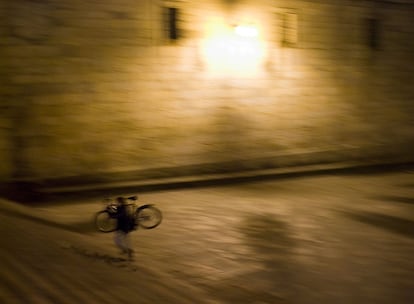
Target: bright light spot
246	31
231	51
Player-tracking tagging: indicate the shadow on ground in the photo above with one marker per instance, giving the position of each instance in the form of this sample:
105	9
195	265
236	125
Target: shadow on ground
408	185
115	261
267	235
79	227
393	224
397	199
271	246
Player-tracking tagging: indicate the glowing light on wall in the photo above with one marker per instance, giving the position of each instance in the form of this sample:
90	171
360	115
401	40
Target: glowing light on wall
232	51
246	31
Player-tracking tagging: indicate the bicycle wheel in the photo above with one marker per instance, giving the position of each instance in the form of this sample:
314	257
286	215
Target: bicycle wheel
104	222
148	217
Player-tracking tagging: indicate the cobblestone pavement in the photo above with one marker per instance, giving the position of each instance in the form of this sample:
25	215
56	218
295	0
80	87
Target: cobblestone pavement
322	239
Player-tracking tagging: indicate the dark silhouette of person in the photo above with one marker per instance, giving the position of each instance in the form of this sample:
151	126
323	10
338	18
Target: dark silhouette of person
125	224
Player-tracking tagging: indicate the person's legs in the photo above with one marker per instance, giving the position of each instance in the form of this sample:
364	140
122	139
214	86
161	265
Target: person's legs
123	241
120	241
127	243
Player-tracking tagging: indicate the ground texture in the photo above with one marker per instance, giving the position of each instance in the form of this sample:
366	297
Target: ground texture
321	239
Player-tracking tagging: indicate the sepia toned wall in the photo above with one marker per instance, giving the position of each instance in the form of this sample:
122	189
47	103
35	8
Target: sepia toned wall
90	87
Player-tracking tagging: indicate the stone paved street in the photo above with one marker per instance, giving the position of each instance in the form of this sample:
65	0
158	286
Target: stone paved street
321	239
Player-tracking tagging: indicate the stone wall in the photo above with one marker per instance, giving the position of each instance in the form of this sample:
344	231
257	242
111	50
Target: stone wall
92	87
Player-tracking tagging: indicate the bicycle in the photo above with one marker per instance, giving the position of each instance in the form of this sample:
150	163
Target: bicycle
146	216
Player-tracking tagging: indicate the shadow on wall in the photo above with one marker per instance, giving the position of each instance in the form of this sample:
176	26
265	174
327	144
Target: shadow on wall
232	137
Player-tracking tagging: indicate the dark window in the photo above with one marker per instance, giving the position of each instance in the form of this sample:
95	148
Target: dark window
172	23
373	33
289	29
